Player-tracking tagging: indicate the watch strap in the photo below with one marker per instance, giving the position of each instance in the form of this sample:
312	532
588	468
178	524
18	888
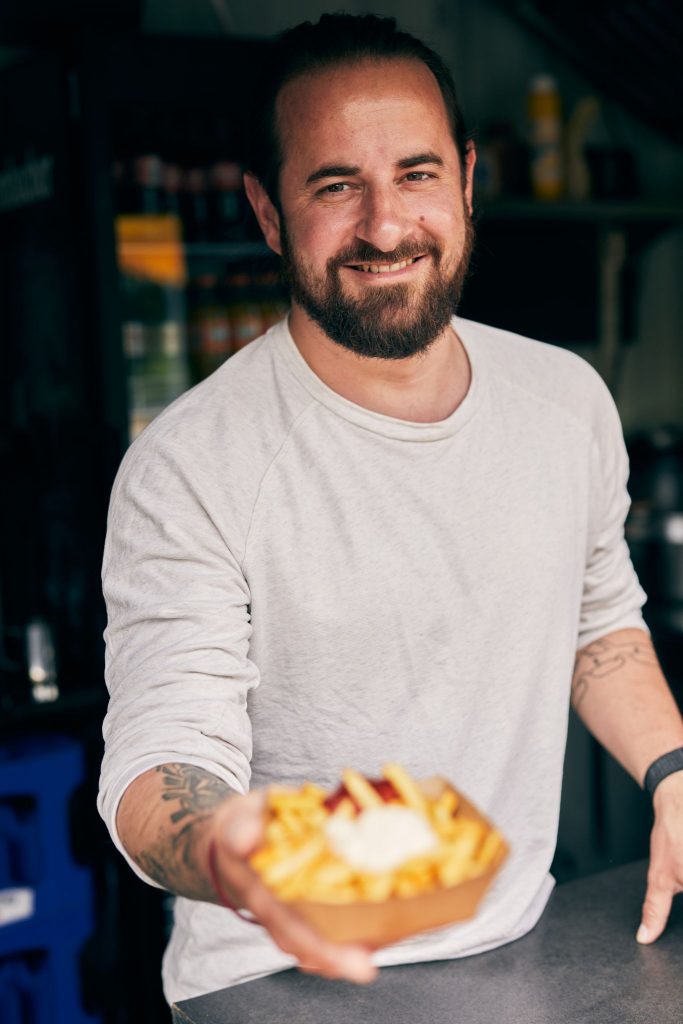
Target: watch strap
665	765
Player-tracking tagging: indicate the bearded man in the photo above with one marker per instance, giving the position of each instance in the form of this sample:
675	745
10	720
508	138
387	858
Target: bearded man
380	532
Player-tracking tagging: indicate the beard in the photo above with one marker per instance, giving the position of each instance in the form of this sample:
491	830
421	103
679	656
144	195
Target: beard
391	321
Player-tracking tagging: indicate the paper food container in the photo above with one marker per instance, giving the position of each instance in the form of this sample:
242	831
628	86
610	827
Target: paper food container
379	924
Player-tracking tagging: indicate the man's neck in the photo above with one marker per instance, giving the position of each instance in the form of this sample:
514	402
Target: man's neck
424	388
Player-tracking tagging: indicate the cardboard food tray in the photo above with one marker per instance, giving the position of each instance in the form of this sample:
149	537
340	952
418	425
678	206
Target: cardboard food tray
379	924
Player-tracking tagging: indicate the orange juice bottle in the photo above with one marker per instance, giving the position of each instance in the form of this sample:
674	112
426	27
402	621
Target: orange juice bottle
545	118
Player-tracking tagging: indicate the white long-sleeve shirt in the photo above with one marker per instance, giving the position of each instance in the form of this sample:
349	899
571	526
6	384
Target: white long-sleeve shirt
296	584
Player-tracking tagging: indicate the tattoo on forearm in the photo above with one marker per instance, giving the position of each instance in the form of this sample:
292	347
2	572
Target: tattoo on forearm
194	794
196	790
605	657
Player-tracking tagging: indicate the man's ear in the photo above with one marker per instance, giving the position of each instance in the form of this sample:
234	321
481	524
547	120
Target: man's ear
266	214
470	161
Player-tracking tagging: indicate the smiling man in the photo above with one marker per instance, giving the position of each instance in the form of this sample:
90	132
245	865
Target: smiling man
380	532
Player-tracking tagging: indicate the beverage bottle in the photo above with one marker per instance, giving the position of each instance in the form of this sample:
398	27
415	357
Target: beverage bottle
545	120
152	283
118	177
40	656
271	299
155	347
225	202
246	314
126	188
194	205
148	183
172	365
209	326
172	184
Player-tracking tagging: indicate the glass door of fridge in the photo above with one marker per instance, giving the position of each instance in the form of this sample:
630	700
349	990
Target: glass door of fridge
196	283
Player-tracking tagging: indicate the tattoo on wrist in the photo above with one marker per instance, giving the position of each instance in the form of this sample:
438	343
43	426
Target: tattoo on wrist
193	794
603	658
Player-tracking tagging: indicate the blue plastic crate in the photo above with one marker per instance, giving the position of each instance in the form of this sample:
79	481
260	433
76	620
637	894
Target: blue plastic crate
40	978
38	875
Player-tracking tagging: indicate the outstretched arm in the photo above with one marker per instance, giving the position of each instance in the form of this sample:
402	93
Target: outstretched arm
621	695
170	817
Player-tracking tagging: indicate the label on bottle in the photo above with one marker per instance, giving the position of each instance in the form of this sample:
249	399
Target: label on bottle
546	173
546	130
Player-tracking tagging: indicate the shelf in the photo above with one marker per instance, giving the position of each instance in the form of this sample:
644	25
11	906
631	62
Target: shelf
193	252
224	250
639	211
227	250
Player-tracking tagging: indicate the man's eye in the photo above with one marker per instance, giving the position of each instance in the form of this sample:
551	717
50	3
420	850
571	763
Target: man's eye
336	187
418	176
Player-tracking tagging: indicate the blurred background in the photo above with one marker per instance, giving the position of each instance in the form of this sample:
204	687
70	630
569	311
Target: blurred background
130	268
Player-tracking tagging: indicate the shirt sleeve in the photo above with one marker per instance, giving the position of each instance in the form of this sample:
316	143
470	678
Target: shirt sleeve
176	660
612	596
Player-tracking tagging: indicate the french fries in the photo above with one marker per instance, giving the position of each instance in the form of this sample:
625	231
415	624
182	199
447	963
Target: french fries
298	862
406	788
360	789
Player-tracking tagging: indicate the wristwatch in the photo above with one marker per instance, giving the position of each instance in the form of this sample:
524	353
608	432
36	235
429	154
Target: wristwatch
665	765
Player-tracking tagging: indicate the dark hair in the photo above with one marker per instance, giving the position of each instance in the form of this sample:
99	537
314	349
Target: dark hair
335	39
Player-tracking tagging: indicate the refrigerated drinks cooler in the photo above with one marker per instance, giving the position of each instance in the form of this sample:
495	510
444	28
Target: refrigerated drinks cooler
130	268
187	272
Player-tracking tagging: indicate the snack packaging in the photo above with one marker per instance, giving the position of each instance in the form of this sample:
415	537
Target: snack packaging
357	911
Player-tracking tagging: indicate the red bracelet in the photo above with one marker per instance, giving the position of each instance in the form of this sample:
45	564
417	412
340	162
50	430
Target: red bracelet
218	888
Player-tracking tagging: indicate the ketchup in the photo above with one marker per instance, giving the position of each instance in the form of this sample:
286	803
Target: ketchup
381	786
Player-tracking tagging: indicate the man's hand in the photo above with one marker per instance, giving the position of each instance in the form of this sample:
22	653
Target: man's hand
236	832
665	874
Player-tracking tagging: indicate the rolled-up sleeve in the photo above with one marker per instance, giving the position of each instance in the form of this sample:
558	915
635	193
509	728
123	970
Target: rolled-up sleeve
612	595
177	639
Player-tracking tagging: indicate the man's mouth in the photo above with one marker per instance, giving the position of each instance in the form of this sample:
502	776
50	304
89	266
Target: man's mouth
382	268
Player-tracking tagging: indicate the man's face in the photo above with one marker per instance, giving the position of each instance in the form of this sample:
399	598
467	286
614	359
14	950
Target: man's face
375	229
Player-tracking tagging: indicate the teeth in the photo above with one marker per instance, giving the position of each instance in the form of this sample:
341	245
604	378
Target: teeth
384	268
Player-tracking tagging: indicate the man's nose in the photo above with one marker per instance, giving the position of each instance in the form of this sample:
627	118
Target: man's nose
383	222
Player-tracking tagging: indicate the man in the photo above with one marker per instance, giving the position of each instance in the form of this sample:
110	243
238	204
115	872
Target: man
378	533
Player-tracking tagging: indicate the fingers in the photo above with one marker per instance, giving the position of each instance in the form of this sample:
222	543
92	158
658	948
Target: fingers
296	937
242	829
240	832
656	910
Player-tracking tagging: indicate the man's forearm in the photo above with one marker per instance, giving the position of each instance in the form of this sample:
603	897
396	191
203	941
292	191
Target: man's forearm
621	695
163	821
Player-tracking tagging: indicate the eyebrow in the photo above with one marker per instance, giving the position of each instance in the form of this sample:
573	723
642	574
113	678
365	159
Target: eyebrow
420	158
333	171
348	171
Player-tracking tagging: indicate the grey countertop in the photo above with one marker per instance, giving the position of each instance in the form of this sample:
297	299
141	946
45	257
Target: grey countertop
581	964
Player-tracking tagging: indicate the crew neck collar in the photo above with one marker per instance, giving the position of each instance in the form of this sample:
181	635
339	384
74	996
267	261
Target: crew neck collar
378	423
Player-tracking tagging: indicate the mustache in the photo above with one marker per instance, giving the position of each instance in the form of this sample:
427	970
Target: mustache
366	253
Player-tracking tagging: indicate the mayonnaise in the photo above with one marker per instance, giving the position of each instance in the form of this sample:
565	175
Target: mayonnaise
380	838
